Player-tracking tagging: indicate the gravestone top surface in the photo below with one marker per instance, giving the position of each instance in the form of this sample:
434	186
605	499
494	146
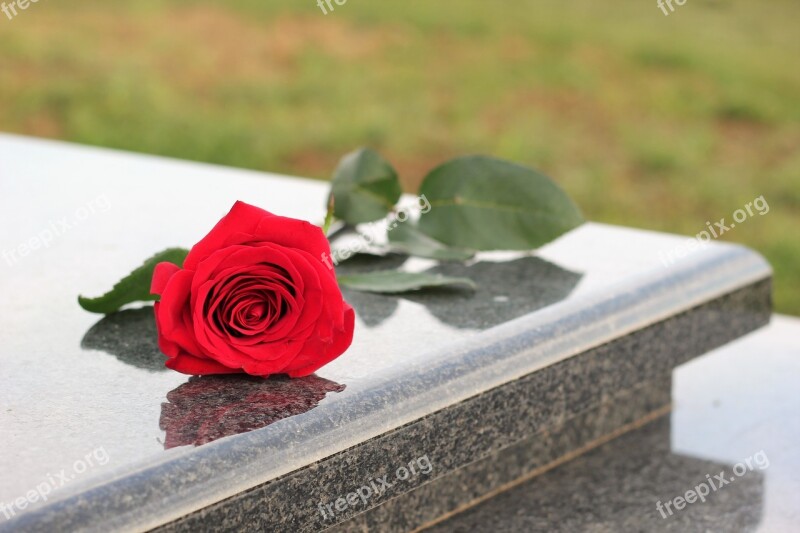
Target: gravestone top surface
86	401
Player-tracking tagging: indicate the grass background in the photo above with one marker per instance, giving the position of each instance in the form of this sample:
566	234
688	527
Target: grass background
660	122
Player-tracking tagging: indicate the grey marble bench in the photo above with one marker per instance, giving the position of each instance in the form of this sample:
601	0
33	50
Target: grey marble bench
444	398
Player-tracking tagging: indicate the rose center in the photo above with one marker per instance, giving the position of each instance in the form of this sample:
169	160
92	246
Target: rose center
256	311
247	305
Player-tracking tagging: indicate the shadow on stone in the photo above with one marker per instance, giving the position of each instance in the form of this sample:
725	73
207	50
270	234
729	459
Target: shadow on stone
130	336
372	309
506	290
208	408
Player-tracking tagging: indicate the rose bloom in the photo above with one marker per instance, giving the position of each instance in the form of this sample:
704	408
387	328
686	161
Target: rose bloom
254	296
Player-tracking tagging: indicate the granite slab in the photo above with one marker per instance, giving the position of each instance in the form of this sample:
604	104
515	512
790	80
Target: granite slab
497	472
589	493
748	411
88	410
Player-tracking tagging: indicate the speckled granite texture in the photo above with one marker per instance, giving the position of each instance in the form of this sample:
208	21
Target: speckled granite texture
616	487
528	457
476	428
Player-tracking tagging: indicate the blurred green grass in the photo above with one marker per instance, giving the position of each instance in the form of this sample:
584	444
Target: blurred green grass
649	121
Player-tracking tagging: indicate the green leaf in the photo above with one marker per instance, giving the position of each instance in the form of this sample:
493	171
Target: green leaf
482	203
135	287
407	239
365	187
394	281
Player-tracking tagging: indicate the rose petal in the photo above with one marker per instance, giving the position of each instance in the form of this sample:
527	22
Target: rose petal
242	218
173	317
196	366
161	275
314	355
297	234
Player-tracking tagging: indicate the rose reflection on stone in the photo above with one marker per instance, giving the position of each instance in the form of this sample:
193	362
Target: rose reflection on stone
208	408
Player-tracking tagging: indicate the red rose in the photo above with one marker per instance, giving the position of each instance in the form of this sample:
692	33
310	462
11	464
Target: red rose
254	296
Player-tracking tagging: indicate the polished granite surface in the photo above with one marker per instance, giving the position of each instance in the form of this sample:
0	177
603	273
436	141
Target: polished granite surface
735	404
75	384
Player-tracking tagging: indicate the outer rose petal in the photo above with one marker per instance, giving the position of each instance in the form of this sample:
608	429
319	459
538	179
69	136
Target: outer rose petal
173	320
245	223
196	366
161	276
242	218
293	233
314	360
